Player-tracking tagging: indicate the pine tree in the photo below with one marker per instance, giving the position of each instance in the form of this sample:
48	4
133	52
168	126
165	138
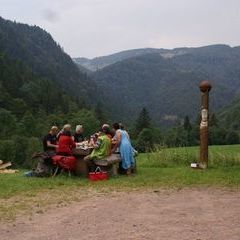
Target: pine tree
232	137
99	113
143	121
187	125
28	124
213	120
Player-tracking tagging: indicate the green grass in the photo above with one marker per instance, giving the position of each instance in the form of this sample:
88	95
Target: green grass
168	168
165	167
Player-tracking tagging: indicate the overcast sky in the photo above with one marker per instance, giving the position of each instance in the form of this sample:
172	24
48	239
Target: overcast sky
90	28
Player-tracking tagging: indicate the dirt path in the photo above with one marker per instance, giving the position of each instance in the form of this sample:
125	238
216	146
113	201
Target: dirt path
194	214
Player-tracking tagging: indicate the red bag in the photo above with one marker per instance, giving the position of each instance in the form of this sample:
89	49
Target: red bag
65	162
98	175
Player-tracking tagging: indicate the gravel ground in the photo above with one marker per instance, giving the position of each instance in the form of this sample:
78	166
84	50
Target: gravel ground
194	214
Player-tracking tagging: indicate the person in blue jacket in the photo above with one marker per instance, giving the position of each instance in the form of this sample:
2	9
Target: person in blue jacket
122	141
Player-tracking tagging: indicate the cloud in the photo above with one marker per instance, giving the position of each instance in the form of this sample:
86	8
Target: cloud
50	15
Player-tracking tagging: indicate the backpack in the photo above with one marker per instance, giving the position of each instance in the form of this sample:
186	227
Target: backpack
44	166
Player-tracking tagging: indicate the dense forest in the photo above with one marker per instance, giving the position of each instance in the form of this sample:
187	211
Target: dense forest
36	48
29	105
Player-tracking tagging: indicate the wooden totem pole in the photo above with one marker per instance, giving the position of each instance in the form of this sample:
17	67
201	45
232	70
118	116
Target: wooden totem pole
205	88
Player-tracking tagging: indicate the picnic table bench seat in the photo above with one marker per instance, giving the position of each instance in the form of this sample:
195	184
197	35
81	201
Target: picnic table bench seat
112	159
109	164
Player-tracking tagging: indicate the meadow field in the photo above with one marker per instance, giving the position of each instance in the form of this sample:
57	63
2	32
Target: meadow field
164	168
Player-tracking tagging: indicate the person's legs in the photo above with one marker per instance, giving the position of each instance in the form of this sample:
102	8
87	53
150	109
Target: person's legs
90	164
87	158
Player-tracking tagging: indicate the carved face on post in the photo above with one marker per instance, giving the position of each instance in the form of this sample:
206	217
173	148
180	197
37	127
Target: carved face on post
204	118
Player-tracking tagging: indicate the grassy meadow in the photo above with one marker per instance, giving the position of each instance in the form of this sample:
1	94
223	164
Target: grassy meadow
164	168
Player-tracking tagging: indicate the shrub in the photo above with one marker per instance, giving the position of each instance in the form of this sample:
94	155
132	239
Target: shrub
34	145
7	151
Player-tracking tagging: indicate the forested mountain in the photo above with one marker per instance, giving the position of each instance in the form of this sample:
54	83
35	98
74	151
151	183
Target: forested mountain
168	86
40	86
35	48
163	81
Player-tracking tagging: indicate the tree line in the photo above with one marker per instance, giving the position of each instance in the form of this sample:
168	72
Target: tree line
185	133
21	136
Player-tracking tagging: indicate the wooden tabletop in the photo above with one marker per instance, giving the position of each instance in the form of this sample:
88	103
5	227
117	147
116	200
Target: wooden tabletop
82	152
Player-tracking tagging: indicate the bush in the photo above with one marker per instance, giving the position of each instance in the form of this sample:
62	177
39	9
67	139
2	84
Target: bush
34	145
145	140
20	146
232	138
7	151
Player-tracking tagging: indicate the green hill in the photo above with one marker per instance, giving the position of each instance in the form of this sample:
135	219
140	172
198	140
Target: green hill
35	48
167	87
22	90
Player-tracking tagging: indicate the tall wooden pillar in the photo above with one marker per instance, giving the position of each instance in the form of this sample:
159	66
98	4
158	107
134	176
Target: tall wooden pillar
205	88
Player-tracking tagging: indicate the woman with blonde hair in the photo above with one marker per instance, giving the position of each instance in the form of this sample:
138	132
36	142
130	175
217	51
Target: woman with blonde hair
65	142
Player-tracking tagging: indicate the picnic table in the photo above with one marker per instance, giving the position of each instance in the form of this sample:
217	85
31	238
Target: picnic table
109	163
79	153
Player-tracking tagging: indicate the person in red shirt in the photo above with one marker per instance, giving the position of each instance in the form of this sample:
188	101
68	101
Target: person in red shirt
66	143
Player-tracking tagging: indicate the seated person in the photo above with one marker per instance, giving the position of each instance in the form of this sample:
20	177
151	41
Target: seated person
109	132
66	143
78	136
50	140
102	147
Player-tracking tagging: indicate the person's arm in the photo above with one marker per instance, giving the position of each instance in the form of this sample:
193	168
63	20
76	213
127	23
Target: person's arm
127	135
97	144
49	144
59	134
72	143
118	138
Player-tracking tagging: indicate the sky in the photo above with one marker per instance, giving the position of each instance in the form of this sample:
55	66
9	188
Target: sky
90	28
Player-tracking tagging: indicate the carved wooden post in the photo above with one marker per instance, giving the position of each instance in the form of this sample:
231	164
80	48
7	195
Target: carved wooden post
205	88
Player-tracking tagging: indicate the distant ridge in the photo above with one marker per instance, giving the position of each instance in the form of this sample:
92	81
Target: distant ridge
101	62
167	83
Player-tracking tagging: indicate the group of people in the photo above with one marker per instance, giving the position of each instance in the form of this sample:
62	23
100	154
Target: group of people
107	141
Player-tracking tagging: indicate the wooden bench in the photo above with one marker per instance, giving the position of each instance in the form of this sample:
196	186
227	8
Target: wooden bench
109	164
